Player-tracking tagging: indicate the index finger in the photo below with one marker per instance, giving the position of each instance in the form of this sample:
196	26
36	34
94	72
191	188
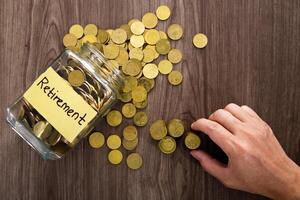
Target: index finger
220	135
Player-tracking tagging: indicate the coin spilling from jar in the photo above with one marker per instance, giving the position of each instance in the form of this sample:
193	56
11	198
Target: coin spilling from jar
133	48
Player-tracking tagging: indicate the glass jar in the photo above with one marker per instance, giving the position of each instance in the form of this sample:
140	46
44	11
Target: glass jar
63	104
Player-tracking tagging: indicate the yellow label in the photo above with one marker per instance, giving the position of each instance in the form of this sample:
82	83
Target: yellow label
55	99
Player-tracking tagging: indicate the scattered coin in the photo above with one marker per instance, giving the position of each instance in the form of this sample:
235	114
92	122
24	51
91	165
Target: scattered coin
152	36
69	40
139	94
175	77
114	118
167	145
149	20
150	71
130	133
175	56
165	67
175	128
192	141
134	161
90	29
140	105
140	119
130	145
76	30
158	130
115	157
128	110
119	36
137	41
111	51
113	142
175	31
137	28
163	12
96	140
200	40
163	46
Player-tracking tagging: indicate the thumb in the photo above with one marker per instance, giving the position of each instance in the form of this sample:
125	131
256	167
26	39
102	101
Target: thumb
209	164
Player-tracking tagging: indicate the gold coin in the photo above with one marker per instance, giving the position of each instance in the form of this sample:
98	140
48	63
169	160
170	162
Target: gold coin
131	21
163	12
137	41
69	40
165	67
113	63
163	46
140	105
130	133
76	30
54	138
113	142
149	55
136	53
126	28
175	31
156	55
130	145
175	77
158	130
163	35
119	36
132	67
175	56
192	141
140	119
139	94
148	84
130	83
124	96
103	36
137	28
149	20
96	140
76	78
128	110
134	161
114	118
175	128
90	29
200	40
89	38
109	31
111	51
167	145
150	71
123	56
42	129
115	157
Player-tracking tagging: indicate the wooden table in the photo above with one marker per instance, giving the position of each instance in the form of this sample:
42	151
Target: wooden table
252	58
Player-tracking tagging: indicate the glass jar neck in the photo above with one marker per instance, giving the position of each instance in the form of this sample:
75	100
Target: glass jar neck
105	71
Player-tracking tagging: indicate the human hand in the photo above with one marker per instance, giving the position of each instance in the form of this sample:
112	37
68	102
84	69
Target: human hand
257	163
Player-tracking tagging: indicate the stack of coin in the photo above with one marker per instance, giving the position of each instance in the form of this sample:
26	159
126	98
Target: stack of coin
130	138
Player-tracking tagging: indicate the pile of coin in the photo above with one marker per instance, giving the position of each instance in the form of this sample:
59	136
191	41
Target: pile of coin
134	48
168	133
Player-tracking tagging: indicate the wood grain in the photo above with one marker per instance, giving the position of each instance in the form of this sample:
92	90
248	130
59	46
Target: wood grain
252	58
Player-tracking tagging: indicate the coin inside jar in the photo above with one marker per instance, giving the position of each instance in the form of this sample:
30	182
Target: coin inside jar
42	129
76	78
